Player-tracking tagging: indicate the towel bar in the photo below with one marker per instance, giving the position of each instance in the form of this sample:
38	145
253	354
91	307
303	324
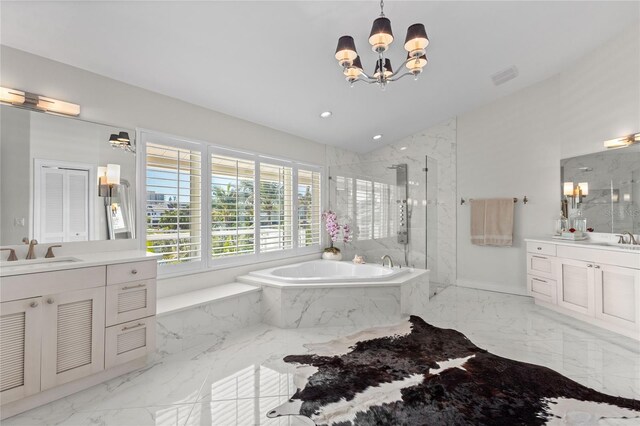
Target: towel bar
525	200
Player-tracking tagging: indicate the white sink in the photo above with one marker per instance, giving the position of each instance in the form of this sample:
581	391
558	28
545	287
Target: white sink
620	246
35	264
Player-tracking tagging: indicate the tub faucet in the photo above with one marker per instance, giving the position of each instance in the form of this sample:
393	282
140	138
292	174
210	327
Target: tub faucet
632	239
386	256
31	254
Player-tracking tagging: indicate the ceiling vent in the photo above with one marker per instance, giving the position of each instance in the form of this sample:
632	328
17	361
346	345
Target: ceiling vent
503	76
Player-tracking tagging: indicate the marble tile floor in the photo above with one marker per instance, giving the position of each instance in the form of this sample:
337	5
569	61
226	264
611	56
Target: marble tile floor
236	381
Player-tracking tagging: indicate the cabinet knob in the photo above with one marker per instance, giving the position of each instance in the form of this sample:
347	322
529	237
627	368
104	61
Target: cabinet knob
589	266
597	266
134	271
50	301
539	248
34	304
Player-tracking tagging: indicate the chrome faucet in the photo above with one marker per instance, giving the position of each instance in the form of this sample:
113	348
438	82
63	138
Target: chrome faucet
31	254
386	256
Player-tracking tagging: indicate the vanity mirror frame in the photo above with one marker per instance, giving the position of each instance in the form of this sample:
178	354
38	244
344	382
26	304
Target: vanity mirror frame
101	227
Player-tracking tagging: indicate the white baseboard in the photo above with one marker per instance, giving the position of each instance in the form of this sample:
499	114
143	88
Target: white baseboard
481	285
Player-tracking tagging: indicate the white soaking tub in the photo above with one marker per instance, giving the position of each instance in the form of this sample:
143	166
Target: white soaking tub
328	271
330	293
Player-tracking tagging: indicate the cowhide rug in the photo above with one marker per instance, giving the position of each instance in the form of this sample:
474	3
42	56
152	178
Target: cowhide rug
418	374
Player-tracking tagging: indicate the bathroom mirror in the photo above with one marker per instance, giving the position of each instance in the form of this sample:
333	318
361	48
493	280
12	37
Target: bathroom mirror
605	188
51	169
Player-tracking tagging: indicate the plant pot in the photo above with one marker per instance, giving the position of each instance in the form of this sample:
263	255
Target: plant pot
329	255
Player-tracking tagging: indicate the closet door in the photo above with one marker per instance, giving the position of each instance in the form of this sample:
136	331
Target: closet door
77	202
52	220
63	211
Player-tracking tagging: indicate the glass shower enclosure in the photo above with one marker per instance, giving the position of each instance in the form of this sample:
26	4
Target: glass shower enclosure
391	209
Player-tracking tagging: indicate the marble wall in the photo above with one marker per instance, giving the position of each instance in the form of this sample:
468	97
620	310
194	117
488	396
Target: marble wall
432	237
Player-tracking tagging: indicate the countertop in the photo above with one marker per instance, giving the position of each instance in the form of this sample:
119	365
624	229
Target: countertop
73	261
599	244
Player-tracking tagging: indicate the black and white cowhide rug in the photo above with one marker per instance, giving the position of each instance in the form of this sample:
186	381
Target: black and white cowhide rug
418	374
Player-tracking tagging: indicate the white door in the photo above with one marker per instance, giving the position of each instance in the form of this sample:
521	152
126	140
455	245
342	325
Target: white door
576	289
77	202
618	295
20	340
73	336
62	210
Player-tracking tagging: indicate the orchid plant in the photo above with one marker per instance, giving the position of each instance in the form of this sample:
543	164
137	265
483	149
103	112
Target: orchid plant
334	228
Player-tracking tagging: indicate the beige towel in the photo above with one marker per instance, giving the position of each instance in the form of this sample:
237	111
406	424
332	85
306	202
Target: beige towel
477	222
492	222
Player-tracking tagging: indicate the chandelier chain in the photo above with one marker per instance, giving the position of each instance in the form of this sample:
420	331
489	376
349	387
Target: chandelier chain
381	7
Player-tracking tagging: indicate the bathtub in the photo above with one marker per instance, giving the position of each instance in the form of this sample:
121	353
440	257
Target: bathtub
330	293
328	271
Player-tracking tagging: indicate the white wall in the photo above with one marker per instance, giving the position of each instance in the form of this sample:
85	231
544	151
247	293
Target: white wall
513	146
110	101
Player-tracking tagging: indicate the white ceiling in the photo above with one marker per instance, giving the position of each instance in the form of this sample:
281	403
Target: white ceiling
272	62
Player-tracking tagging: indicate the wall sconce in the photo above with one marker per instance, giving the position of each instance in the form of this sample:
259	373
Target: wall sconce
576	193
121	140
38	102
108	180
623	141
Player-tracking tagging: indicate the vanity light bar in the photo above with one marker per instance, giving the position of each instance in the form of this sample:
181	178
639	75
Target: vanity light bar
623	141
38	102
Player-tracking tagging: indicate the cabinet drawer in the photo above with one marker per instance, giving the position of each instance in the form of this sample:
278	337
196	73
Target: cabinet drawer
542	289
541	248
128	341
134	271
541	265
130	301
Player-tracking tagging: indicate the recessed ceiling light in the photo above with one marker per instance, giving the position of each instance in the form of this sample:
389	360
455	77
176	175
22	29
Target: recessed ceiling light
377	137
325	114
403	148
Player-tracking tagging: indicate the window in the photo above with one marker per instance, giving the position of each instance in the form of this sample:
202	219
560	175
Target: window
309	208
258	207
232	211
276	208
370	205
173	182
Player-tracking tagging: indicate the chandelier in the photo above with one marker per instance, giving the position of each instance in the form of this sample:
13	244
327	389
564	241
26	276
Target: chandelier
380	38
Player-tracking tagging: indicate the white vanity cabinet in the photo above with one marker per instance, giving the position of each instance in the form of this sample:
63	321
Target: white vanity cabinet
577	284
72	336
596	284
618	291
20	335
63	331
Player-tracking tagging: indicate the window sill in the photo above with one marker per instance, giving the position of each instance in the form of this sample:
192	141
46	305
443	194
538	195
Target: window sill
257	261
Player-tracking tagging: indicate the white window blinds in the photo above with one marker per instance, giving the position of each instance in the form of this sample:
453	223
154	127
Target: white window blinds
174	202
276	208
364	209
309	207
232	206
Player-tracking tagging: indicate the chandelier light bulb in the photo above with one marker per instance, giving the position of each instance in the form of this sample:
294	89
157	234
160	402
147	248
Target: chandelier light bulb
416	41
415	65
346	51
381	35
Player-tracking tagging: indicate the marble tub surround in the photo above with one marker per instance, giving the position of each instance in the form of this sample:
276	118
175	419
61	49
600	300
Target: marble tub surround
184	328
238	379
438	249
300	305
